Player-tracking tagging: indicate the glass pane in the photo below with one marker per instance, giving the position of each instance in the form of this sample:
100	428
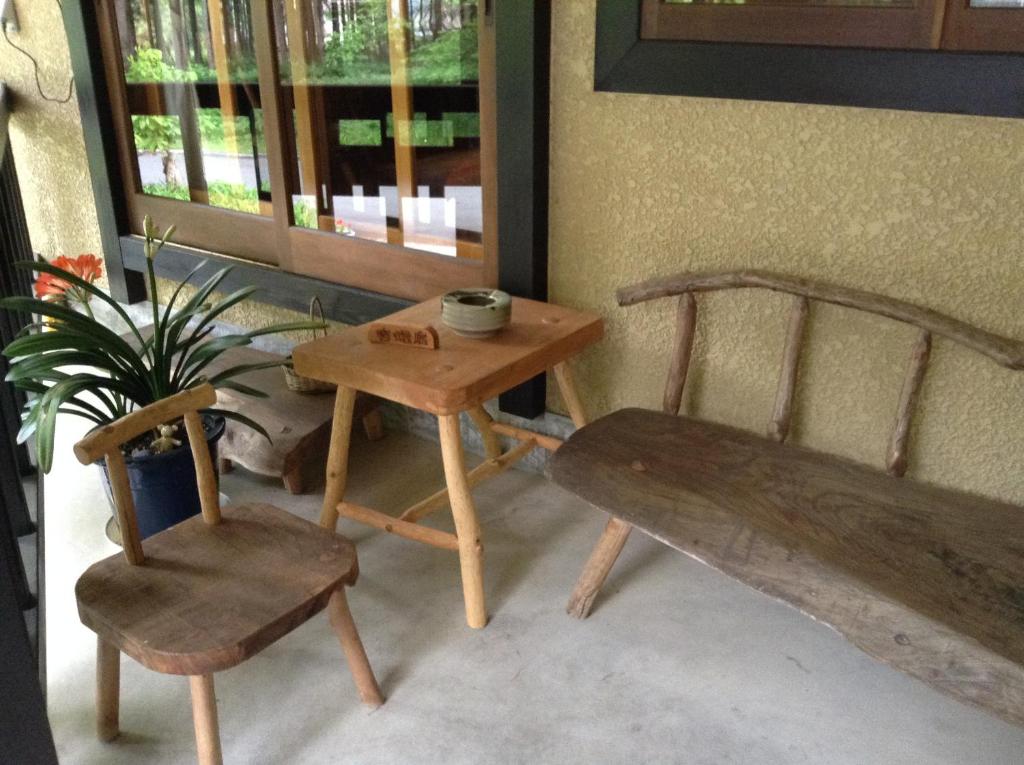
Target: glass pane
193	95
386	119
810	3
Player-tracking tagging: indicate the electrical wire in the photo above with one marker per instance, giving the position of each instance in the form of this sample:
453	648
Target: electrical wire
35	67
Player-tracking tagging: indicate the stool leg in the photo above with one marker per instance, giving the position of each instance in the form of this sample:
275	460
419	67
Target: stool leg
601	560
108	690
467	527
345	628
571	397
337	456
204	715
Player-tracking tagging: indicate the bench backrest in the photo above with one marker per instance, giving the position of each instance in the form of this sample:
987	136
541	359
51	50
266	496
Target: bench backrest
1004	351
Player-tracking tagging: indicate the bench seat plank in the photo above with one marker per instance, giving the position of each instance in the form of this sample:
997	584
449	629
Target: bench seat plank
926	579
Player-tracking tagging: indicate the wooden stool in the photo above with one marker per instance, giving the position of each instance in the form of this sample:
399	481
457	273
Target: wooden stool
299	424
457	377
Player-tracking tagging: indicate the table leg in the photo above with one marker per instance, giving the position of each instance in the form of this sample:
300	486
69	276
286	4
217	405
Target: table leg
482	420
337	456
571	397
467	527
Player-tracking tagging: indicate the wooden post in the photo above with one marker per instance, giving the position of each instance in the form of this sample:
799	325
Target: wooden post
467	526
601	560
337	456
778	428
345	628
206	478
108	689
314	174
896	459
221	54
124	506
204	716
401	112
686	323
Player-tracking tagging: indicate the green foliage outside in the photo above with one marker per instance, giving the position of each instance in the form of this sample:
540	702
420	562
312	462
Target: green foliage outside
360	57
163	133
230	196
359	133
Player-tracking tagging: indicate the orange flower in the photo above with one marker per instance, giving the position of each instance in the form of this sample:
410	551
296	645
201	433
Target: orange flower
50	287
86	266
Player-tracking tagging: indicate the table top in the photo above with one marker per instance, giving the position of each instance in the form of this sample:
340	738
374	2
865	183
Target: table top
462	372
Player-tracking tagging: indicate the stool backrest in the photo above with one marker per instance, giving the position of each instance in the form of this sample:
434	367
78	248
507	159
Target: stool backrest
106	442
1004	351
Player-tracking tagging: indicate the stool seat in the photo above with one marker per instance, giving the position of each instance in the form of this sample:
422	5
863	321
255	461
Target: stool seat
208	597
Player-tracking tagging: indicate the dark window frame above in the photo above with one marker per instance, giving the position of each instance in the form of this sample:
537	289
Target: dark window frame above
522	54
987	84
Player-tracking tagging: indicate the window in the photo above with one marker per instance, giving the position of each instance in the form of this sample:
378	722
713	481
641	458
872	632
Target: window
350	140
968	25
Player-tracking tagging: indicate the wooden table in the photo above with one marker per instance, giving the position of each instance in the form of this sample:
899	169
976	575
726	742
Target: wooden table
457	377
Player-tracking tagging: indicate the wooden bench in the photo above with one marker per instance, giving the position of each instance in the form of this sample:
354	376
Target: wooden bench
927	579
299	424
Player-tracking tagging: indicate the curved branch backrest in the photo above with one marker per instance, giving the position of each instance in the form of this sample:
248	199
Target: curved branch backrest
1003	350
106	442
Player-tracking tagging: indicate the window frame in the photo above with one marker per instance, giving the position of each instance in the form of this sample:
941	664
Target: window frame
522	50
276	240
917	26
916	80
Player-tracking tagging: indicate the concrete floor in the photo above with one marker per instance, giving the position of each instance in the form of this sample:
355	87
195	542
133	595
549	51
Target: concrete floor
677	663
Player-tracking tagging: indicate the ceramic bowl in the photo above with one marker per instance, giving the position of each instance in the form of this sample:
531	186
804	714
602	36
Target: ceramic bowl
476	312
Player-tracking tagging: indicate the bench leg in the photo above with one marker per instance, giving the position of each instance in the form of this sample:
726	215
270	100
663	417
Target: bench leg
467	527
598	565
337	456
345	628
204	715
293	480
373	425
108	689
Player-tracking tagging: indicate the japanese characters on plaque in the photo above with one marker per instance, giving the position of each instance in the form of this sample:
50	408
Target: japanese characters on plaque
401	334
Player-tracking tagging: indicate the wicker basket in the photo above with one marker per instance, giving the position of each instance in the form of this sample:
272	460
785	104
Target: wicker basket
297	382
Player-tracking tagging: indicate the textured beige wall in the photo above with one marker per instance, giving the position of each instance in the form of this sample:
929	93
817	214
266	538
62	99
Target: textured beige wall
47	138
929	208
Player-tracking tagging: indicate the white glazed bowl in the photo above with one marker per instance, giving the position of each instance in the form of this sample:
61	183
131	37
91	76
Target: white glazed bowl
476	313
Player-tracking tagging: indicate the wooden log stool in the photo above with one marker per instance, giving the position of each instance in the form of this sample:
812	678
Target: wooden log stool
299	424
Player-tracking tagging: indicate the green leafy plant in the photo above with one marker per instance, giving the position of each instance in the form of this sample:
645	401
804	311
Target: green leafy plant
75	364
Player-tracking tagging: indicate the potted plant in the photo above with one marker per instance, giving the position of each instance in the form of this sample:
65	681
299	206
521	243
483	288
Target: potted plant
82	367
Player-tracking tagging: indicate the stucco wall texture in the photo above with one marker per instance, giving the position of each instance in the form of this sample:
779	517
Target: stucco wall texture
928	208
46	137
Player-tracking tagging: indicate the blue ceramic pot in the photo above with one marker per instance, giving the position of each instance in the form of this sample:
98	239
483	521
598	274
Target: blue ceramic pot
164	485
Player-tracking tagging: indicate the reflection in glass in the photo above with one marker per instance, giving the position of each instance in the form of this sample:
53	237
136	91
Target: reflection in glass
386	119
997	3
193	96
